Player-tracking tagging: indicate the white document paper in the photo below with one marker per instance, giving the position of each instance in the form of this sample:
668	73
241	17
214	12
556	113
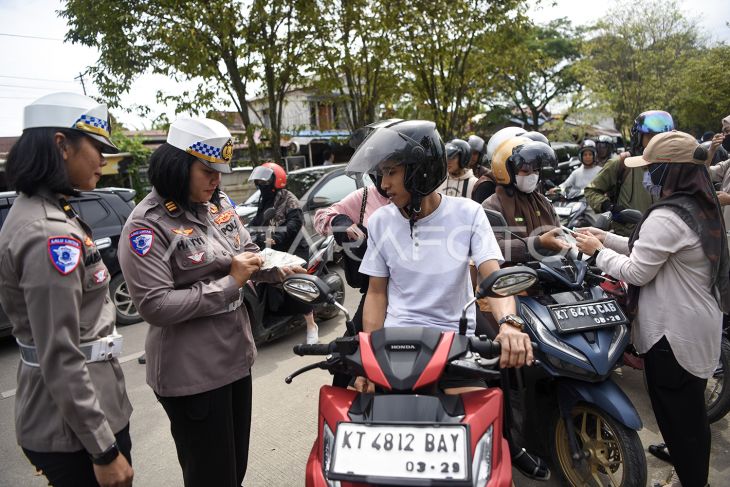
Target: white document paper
275	258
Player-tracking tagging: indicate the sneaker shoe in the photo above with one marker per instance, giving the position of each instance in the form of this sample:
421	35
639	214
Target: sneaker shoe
313	336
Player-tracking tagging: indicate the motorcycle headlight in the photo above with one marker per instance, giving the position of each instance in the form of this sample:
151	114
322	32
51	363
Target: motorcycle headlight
328	444
481	466
618	337
541	330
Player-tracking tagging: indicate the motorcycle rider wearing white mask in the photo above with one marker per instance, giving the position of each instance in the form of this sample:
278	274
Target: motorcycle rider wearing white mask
516	165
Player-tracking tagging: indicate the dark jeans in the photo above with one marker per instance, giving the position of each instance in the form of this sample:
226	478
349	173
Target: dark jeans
211	432
74	469
678	400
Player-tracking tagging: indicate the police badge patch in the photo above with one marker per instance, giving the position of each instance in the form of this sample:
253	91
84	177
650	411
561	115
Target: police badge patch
141	240
65	253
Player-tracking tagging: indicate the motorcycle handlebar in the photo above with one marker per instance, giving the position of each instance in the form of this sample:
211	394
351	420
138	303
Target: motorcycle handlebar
486	348
317	349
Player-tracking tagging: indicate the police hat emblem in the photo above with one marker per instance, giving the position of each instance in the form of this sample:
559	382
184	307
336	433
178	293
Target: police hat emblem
141	240
227	151
65	253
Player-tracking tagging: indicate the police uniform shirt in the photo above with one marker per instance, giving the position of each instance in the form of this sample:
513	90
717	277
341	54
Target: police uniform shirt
176	265
55	290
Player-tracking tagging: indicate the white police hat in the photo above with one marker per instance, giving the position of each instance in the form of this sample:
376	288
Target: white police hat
71	111
208	140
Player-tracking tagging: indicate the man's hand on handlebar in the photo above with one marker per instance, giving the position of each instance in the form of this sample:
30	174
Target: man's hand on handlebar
516	347
362	384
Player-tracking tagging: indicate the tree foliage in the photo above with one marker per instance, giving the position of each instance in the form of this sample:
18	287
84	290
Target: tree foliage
635	55
539	67
204	41
354	58
446	54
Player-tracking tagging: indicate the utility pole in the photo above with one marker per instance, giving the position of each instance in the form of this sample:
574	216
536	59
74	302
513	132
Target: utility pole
81	78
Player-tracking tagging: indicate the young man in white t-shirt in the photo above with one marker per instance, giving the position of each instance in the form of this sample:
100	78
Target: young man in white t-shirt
420	245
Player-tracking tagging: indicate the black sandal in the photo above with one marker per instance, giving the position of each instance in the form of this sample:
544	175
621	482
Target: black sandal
661	452
531	466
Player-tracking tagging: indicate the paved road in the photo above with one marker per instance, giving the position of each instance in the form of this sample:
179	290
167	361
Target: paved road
284	419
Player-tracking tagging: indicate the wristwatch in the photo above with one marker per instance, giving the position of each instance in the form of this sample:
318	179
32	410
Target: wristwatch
106	457
513	320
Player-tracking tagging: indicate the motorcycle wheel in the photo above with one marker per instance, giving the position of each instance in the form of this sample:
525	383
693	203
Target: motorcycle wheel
615	455
717	392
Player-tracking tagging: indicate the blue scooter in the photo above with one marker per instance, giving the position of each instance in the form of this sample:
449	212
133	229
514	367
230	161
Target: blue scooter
569	407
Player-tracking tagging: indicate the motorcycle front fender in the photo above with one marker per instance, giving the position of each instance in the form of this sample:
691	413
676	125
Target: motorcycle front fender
605	395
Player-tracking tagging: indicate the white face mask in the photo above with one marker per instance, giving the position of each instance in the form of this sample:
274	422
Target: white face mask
527	184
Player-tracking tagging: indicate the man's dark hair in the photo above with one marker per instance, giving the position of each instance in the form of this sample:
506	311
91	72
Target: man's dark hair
169	173
326	154
707	136
35	161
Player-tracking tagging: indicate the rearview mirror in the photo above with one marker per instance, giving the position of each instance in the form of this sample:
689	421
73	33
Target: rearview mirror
507	282
307	289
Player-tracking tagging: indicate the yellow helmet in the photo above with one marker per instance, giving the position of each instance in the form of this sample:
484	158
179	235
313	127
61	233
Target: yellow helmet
503	172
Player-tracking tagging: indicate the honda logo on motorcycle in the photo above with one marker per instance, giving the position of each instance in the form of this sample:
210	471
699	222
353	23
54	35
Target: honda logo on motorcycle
403	347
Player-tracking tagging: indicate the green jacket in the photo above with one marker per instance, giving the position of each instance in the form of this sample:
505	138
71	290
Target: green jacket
631	195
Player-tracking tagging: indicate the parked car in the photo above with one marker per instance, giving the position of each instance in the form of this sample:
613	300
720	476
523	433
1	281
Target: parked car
316	187
105	210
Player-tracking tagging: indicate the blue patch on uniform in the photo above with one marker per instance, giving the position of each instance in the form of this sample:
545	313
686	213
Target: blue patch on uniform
65	253
141	240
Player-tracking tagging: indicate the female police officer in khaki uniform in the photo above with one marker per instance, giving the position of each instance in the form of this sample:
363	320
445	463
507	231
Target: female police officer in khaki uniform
185	257
71	406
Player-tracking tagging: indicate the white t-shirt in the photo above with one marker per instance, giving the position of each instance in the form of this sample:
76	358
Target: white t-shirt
581	177
429	281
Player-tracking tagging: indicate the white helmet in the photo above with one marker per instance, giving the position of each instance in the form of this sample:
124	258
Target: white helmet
208	140
499	137
71	111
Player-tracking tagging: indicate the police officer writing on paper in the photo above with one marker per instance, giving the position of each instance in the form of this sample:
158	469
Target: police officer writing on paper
185	257
677	266
72	411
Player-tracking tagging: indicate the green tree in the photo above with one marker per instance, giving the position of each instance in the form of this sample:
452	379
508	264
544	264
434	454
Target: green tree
138	160
635	54
285	36
446	54
353	61
209	41
703	90
539	67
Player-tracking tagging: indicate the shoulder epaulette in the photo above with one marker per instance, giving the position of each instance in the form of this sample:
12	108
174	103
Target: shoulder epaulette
67	208
172	208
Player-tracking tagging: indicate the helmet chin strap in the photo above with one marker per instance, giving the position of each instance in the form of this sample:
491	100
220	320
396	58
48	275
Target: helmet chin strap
413	209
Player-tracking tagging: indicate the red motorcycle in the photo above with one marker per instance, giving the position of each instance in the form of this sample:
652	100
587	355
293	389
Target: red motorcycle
409	432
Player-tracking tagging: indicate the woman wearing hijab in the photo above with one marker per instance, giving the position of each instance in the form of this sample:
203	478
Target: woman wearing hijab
279	219
516	166
676	263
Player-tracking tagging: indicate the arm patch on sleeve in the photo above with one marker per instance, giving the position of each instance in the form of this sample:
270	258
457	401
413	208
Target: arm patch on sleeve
141	241
65	253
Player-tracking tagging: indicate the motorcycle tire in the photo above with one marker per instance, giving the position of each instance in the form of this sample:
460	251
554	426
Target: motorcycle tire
717	392
615	453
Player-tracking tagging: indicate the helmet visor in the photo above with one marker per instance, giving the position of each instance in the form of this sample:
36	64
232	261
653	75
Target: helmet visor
382	145
261	173
655	123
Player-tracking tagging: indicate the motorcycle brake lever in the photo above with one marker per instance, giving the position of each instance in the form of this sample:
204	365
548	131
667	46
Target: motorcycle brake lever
317	365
